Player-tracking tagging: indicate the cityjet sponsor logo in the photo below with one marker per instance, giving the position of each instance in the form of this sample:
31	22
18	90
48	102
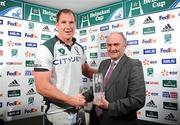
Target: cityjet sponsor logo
66	60
151	114
93	55
149	62
31	92
83	40
151	104
14	33
132	42
14	93
26	111
168	50
169	61
170	117
119	25
148	93
14	103
131	53
82	32
149	51
164	72
16	24
30	44
170	94
151	83
11	43
92	30
170	83
28	73
103	28
170	106
167	28
151	40
46	29
14	63
14	113
148	20
149	30
1	22
166	17
132	33
14	83
14	73
30	35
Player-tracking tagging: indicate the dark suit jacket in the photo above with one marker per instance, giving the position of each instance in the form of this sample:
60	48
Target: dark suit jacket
125	92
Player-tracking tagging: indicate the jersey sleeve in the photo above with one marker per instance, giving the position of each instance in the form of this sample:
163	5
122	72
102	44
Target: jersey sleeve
44	58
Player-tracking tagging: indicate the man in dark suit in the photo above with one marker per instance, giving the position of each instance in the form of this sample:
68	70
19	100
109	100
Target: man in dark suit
125	89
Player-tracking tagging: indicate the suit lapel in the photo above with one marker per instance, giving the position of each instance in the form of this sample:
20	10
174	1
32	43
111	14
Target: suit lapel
116	71
105	67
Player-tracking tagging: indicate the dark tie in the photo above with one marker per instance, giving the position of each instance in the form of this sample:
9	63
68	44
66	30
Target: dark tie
106	79
109	73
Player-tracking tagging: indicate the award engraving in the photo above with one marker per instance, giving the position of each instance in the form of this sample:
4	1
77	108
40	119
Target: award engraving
98	87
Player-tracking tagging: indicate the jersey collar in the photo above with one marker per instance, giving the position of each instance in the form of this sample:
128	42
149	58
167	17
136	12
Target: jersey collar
62	42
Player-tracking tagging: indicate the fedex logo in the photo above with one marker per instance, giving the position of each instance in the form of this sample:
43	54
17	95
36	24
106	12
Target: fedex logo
30	35
14	24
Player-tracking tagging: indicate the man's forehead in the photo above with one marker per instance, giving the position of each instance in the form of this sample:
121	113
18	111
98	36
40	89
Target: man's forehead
113	42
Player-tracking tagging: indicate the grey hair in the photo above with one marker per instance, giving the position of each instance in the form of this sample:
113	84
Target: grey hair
121	34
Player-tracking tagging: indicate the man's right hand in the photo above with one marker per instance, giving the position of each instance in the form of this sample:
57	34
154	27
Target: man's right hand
77	101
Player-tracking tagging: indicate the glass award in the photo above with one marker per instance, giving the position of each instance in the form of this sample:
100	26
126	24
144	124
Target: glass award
98	87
